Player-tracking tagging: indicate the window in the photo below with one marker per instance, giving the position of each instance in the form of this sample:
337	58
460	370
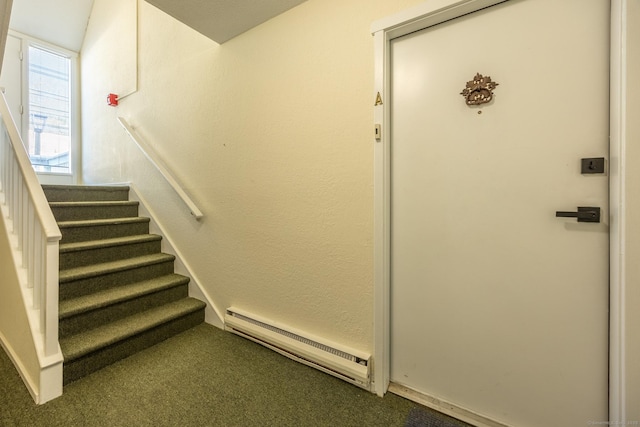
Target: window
40	84
49	93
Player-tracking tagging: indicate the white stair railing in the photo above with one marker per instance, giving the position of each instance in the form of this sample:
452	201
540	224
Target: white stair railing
35	231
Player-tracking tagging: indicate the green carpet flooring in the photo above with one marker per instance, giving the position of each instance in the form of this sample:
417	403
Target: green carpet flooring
208	377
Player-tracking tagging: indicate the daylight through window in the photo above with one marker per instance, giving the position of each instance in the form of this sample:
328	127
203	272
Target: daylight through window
49	140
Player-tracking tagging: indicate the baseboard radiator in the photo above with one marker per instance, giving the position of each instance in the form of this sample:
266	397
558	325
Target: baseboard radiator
346	364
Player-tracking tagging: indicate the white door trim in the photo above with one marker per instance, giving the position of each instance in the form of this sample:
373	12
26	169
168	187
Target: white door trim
434	12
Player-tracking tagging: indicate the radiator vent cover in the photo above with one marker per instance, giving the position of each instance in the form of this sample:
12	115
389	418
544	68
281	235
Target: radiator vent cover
339	361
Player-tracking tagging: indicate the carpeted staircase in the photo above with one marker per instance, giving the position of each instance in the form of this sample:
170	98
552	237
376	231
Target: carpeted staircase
118	293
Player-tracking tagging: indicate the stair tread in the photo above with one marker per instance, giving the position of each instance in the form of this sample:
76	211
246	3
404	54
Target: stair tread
103	243
86	187
119	294
61	193
96	203
81	344
93	270
107	221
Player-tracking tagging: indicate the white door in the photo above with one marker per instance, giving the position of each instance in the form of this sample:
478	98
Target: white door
497	305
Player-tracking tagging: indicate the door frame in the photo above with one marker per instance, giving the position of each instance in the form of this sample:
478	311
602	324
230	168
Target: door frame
431	13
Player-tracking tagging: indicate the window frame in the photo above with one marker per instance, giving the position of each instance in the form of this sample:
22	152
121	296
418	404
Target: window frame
53	177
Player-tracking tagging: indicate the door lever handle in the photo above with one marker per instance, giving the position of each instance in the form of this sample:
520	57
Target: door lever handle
584	214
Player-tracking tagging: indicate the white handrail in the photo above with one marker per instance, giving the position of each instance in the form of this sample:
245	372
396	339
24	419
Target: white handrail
162	168
34	226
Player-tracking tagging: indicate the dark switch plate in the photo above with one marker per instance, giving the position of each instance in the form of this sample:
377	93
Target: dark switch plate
592	165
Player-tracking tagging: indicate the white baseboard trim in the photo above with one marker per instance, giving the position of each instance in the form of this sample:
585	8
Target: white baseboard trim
445	407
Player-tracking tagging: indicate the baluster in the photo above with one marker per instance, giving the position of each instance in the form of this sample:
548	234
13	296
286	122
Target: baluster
5	181
24	229
5	167
31	247
15	188
10	166
3	161
5	172
3	156
36	267
10	187
15	195
18	219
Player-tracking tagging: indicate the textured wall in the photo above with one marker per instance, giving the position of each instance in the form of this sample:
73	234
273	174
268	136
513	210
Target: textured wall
271	133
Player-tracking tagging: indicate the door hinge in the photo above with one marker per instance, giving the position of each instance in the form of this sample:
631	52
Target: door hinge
20	55
21	110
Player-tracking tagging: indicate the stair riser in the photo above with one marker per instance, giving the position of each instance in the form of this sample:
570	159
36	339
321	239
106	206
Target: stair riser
83	366
85	194
112	253
98	317
97	232
79	213
90	285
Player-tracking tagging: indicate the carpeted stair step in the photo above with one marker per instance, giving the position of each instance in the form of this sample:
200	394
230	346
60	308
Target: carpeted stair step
82	231
76	211
90	311
79	281
85	193
79	254
118	292
94	349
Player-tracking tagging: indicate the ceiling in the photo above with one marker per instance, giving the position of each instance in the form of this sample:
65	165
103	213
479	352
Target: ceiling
221	20
64	22
61	22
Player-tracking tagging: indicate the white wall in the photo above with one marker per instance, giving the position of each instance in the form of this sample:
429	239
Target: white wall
271	133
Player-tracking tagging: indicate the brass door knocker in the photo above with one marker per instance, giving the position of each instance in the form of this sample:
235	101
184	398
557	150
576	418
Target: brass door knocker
479	90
